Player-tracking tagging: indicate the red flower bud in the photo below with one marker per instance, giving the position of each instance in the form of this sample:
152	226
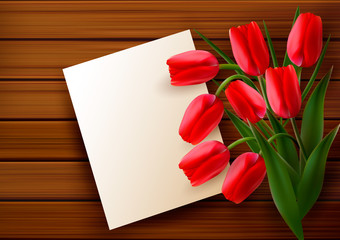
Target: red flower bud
205	161
192	67
305	40
249	48
246	101
283	91
202	115
244	175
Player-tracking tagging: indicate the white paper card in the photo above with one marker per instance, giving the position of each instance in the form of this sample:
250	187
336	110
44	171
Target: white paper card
129	116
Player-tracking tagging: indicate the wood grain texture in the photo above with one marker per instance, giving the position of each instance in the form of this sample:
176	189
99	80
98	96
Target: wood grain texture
153	19
45	59
201	220
74	181
61	140
31	100
46	185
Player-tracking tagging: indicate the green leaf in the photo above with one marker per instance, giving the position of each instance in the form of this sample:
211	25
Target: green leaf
219	51
286	60
316	70
271	47
312	178
244	130
280	185
312	120
285	146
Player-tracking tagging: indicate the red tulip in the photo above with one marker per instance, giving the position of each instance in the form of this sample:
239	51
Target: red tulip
192	67
246	101
249	48
283	91
205	161
305	40
202	115
244	175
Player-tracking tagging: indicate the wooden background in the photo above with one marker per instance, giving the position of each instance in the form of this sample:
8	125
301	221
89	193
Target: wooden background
46	185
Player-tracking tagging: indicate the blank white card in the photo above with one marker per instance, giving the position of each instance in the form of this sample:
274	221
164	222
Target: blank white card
129	116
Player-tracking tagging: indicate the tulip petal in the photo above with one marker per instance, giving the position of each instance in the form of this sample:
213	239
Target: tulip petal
207	122
235	173
240	106
210	168
191	59
201	153
252	97
258	48
291	91
312	41
246	101
275	93
241	51
194	75
250	181
295	39
193	112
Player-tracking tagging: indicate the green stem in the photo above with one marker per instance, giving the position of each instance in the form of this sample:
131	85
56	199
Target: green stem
231	78
239	141
282	135
230	66
289	167
285	123
264	93
298	138
298	73
216	82
267	127
263	130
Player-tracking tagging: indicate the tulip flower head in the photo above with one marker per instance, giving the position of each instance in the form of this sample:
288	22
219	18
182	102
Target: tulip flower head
205	161
245	174
283	91
305	40
246	101
192	67
249	48
203	114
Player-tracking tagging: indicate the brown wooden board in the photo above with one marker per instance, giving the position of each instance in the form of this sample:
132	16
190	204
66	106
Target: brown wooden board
45	59
29	100
74	181
46	185
202	220
153	19
61	140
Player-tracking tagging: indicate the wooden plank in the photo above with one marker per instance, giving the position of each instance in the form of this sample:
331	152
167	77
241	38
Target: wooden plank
50	100
153	19
42	59
61	140
201	220
74	181
41	140
35	100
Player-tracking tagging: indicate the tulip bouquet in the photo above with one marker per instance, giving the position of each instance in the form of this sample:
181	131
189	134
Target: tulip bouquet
294	164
